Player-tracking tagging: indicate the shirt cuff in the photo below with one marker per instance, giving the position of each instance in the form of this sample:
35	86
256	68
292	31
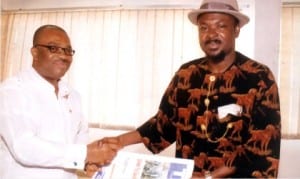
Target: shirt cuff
75	156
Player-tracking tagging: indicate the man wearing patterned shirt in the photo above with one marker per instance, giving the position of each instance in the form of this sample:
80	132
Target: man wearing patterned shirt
222	110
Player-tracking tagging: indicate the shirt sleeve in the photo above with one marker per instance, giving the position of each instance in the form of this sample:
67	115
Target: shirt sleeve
25	145
159	132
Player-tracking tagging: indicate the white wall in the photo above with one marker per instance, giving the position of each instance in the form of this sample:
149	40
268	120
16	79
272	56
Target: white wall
267	33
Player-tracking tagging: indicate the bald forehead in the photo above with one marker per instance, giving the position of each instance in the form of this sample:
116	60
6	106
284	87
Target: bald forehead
40	32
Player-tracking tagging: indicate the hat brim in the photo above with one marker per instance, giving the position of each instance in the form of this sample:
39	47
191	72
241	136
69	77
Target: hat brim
193	15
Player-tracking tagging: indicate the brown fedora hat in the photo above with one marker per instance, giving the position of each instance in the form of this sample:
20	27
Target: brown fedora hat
223	6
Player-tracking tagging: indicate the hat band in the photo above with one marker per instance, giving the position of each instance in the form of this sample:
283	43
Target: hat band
217	5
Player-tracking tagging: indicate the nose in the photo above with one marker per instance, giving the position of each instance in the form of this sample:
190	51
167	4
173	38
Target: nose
212	32
63	56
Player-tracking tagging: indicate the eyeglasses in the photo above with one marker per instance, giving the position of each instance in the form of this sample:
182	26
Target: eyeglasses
57	50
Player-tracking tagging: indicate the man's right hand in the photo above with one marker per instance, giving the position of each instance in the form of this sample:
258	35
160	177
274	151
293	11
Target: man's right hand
100	153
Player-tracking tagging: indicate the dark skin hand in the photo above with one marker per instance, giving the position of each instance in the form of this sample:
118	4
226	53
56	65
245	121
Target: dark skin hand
99	154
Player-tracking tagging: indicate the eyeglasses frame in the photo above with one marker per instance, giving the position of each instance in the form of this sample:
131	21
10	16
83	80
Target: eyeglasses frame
49	47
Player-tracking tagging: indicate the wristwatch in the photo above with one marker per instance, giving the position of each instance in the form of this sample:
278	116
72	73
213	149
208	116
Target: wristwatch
207	175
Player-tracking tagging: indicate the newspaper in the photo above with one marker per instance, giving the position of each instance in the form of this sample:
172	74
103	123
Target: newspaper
141	166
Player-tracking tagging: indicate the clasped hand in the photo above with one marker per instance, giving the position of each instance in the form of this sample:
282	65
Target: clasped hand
101	153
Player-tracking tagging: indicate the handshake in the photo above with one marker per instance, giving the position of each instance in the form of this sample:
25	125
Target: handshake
100	153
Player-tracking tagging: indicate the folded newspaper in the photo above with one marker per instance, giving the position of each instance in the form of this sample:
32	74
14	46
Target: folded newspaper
141	166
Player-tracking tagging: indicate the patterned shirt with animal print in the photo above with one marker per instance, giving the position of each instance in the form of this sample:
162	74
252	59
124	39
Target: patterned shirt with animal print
225	119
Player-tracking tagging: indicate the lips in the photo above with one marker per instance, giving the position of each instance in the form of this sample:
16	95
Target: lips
213	44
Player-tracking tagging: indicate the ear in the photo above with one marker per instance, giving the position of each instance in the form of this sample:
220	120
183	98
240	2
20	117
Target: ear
34	53
237	30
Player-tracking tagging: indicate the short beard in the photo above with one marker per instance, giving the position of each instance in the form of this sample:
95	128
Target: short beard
217	58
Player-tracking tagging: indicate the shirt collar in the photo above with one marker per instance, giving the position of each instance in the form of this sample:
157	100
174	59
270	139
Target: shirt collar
39	80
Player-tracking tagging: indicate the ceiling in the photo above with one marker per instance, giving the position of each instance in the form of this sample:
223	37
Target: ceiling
46	4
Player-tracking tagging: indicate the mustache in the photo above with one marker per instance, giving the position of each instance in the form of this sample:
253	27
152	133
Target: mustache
212	41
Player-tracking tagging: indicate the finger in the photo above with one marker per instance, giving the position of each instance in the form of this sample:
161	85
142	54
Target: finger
115	147
111	140
99	143
109	146
91	169
90	173
105	139
107	162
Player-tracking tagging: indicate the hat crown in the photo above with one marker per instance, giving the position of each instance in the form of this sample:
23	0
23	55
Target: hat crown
219	4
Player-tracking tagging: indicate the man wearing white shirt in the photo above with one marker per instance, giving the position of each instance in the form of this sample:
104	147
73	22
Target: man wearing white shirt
43	132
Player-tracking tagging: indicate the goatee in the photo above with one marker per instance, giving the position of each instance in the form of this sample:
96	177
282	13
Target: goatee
217	58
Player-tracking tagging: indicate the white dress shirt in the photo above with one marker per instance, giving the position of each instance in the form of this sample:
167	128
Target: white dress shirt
43	136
